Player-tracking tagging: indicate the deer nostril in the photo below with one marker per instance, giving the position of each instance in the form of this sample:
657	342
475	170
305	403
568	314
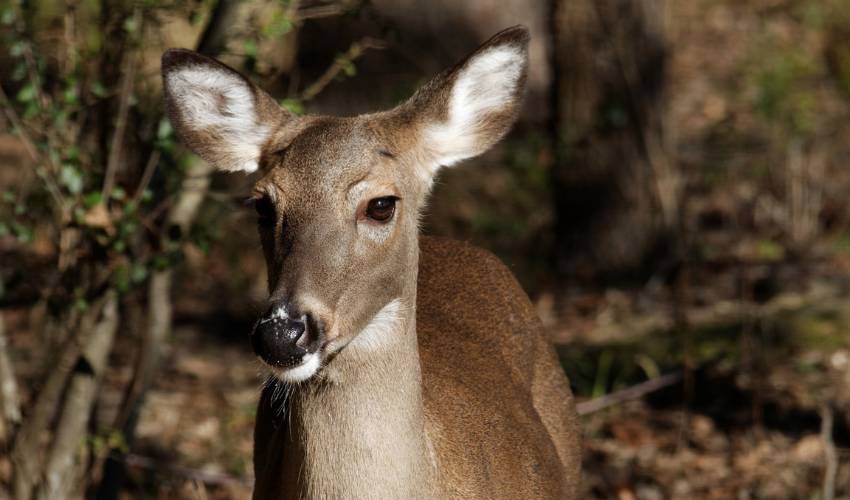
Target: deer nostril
275	340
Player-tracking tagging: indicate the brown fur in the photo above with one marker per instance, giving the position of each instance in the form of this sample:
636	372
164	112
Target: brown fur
458	395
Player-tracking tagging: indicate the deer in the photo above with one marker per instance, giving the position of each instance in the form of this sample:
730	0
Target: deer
399	366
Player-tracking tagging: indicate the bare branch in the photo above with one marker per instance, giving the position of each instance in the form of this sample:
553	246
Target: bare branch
628	394
830	454
354	52
147	174
29	145
317	12
116	146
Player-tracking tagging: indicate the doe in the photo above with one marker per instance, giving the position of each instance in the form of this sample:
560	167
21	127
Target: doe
400	366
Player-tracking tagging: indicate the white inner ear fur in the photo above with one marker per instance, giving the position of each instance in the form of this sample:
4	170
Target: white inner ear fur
485	85
211	98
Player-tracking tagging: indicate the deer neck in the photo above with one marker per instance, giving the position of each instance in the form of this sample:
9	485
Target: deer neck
360	428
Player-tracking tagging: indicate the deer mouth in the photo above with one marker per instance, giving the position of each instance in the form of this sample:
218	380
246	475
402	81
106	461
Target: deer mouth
308	366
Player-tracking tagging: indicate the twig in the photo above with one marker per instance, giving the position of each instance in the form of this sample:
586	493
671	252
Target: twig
628	394
354	52
830	454
317	12
29	145
147	174
116	146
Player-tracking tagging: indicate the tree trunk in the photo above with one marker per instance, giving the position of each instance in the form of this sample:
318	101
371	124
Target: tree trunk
616	189
63	462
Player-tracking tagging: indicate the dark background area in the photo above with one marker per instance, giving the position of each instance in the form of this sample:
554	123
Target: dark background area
673	198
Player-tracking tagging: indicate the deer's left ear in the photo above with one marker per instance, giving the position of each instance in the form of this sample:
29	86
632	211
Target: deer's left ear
465	110
217	112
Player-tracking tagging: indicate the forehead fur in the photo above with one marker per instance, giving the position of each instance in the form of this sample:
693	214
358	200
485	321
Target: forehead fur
329	145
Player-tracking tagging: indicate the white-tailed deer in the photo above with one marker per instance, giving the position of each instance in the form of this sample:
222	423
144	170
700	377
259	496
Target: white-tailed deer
401	367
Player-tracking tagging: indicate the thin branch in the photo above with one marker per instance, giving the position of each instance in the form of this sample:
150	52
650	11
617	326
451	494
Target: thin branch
830	454
628	394
116	147
354	52
317	12
16	123
147	174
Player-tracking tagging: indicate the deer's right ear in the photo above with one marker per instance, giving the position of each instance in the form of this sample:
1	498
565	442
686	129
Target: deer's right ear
217	112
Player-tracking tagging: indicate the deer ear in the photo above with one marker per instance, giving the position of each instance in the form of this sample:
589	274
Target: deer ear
217	112
465	110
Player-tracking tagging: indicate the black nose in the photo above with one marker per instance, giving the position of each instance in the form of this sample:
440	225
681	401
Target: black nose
276	338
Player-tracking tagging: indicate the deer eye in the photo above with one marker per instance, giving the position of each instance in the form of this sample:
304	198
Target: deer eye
381	209
266	215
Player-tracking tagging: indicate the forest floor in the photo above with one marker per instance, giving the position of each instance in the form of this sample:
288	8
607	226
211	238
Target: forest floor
745	422
755	377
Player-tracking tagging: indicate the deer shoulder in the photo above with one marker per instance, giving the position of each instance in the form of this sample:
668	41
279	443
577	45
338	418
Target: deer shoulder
481	341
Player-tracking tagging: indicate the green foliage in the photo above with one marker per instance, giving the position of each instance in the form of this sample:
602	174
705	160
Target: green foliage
54	89
110	440
293	105
784	93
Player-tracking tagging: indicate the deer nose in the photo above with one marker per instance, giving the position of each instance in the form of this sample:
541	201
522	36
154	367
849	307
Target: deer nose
276	337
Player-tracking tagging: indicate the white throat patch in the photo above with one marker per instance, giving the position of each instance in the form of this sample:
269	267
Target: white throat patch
380	329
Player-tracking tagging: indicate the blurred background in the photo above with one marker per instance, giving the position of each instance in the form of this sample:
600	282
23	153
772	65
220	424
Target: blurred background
674	200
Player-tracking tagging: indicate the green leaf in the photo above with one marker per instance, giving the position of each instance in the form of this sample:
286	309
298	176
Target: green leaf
130	25
92	199
26	94
70	96
81	304
130	208
19	72
349	68
17	48
770	250
72	153
118	193
7	17
164	130
294	106
23	233
98	89
138	273
71	178
250	48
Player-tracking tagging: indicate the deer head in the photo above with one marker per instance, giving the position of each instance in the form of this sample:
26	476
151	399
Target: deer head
338	199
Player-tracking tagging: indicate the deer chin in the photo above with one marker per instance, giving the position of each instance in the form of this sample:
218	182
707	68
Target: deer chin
310	364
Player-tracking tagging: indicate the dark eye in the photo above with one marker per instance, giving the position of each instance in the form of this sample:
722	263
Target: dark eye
381	209
266	216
